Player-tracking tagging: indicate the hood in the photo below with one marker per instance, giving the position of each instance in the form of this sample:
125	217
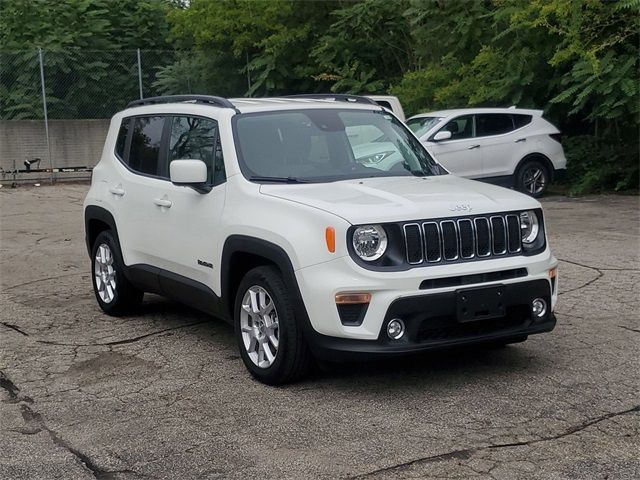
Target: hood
394	199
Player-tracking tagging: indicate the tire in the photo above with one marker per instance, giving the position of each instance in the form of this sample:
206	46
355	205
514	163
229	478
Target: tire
115	294
533	178
289	359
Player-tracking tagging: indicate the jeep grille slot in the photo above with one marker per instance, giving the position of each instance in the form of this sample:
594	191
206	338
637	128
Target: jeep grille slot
432	241
413	243
462	239
499	234
513	233
449	240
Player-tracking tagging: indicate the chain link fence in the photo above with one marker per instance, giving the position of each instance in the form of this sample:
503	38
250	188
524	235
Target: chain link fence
55	106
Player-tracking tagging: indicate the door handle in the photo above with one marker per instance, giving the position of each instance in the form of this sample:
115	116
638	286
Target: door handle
117	190
521	140
473	146
163	202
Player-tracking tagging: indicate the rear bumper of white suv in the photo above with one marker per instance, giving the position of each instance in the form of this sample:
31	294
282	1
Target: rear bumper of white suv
427	300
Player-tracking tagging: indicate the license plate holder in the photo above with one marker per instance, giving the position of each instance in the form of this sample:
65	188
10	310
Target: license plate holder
475	304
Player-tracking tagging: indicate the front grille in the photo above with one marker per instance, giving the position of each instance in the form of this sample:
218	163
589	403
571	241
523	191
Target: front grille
459	239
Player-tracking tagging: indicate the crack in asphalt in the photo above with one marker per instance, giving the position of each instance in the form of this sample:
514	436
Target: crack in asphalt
121	342
34	423
593	280
466	453
15	327
630	329
12	390
10	387
12	287
32	417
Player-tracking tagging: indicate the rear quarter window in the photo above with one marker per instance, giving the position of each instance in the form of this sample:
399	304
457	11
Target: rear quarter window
520	121
121	141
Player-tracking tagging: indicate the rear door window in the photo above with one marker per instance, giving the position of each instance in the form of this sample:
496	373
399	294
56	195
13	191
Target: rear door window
493	124
146	138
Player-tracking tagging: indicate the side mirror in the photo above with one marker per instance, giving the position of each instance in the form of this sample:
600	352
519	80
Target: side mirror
442	135
189	173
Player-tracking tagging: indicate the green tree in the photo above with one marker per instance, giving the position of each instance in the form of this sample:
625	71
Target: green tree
265	45
366	48
89	53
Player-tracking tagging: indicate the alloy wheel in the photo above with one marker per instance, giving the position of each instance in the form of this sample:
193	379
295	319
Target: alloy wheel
259	326
534	180
105	273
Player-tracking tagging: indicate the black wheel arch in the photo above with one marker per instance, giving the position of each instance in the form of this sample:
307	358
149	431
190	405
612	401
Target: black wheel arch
96	220
540	157
242	253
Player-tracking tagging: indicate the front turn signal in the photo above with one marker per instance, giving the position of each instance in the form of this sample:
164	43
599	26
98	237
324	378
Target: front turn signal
352	298
553	272
330	238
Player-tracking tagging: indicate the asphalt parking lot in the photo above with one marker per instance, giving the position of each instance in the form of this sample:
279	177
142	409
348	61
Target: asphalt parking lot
163	394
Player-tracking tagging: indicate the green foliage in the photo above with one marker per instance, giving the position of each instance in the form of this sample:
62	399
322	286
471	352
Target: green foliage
89	59
367	47
576	59
596	165
266	44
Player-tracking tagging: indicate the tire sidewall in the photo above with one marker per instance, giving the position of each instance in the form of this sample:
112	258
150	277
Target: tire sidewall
271	374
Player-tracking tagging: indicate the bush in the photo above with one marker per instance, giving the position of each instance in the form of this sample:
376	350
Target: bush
596	165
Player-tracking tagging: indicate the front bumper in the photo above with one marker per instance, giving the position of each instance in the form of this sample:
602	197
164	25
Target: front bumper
422	298
431	324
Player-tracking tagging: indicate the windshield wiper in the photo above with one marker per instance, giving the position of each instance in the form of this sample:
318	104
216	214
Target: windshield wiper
258	178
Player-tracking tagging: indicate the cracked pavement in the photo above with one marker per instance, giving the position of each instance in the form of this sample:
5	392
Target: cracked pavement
163	393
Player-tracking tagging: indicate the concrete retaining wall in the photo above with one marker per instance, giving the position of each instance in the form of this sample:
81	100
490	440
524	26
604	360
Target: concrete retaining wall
74	143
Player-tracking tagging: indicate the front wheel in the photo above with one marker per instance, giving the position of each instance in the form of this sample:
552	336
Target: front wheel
269	338
533	178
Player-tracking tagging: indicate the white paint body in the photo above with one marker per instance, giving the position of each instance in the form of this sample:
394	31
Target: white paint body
171	226
389	102
493	155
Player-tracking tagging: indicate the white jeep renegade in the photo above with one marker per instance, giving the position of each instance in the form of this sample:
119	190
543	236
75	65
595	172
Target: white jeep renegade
277	215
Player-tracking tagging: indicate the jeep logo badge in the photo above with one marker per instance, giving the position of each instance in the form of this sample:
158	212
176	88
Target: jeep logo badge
460	207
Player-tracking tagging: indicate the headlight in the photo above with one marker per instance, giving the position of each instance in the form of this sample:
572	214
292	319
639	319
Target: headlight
529	226
377	158
369	242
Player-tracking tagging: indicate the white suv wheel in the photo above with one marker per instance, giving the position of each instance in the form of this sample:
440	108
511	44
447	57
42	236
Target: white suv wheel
259	326
105	273
534	180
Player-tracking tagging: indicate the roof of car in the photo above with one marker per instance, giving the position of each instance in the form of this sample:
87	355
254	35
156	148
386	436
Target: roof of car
463	111
250	105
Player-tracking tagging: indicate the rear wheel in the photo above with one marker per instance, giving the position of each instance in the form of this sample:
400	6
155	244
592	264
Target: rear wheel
115	294
270	339
533	178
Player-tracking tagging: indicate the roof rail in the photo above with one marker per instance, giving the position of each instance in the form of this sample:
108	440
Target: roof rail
208	99
338	97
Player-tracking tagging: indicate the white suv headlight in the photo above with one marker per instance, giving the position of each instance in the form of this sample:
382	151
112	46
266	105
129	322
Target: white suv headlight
369	242
529	226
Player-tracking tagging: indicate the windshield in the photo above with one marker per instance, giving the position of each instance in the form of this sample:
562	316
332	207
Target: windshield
323	145
422	125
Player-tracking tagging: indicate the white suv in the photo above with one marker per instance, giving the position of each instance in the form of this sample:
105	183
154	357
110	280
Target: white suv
260	212
512	147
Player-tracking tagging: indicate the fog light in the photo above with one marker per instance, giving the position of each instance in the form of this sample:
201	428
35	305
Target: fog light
395	329
539	307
